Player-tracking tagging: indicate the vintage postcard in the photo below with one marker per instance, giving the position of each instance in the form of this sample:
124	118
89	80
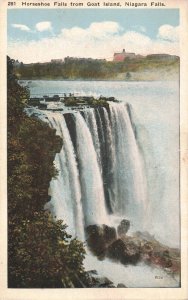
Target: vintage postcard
94	149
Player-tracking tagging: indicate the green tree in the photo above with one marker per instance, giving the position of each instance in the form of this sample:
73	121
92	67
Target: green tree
128	75
40	252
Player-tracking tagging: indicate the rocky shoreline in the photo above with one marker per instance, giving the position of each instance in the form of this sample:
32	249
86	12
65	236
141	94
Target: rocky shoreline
141	247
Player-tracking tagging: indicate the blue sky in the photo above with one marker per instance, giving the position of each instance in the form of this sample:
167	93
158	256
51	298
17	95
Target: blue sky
106	30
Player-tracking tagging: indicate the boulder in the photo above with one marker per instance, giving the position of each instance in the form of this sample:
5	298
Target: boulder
95	281
125	251
104	282
121	285
123	227
162	259
141	246
92	272
147	248
155	253
99	237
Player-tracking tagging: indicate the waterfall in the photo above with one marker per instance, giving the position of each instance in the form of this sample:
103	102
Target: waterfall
92	124
65	190
101	173
91	181
129	180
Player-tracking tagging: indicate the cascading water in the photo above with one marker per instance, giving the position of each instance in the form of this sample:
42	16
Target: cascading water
129	180
100	169
65	190
91	181
118	147
92	125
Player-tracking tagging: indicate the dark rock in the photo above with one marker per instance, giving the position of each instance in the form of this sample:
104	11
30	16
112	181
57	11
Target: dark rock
70	122
95	281
127	252
123	227
147	248
162	259
155	253
109	233
99	237
42	106
141	246
92	272
121	285
104	282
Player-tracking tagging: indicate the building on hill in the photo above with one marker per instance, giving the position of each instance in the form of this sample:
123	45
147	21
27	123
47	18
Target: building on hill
56	61
161	56
120	56
82	59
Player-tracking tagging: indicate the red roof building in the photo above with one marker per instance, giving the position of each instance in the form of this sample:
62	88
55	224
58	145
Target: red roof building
120	56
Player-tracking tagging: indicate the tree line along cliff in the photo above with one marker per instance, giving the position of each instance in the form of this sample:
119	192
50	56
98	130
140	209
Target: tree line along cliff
40	252
95	69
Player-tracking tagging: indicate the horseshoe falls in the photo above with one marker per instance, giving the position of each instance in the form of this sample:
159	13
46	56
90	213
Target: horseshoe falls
127	160
101	175
116	163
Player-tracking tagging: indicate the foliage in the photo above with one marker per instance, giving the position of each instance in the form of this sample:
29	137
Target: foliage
128	76
91	68
17	97
40	252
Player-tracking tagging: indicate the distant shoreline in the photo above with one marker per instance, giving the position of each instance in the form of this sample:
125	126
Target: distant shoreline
143	69
98	80
165	74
